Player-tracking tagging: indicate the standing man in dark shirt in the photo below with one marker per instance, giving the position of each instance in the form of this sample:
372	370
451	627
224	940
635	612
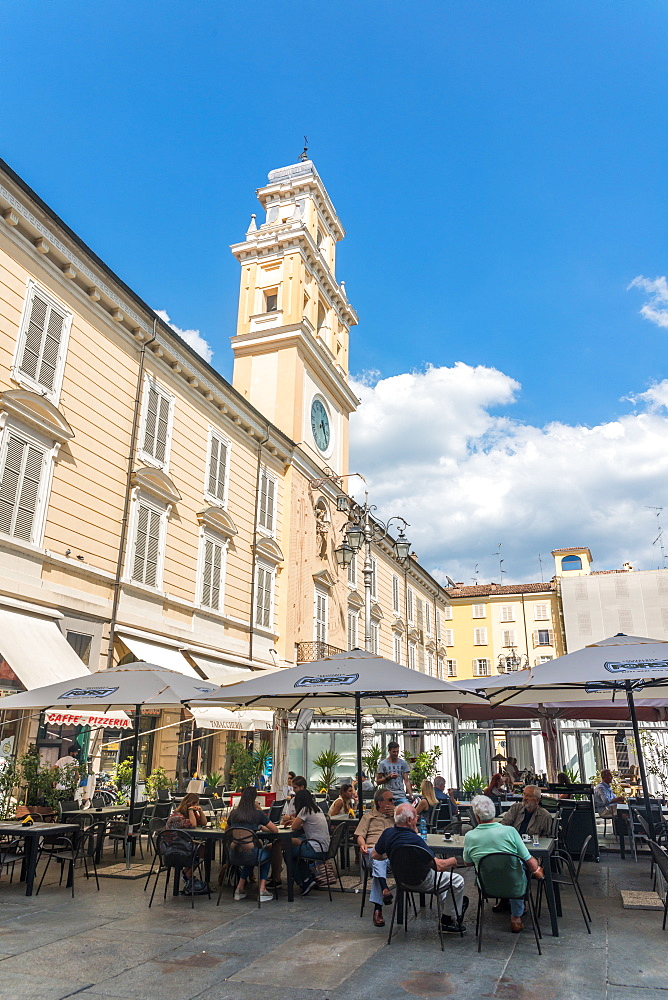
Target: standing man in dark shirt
404	833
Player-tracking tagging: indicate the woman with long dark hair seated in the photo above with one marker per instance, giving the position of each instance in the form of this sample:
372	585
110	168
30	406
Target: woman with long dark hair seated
312	822
247	816
188	815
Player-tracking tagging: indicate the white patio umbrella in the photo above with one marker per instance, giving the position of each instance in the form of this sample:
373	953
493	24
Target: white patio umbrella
355	678
129	685
581	680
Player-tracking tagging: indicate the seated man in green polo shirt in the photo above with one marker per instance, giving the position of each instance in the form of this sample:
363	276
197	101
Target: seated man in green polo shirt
490	837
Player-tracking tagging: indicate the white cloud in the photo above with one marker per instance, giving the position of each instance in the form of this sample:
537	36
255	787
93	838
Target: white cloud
193	338
436	451
656	310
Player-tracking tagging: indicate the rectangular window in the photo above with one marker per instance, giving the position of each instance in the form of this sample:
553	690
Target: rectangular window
541	612
375	637
352	571
21	487
447	613
509	637
147	546
81	644
217	466
412	655
156	424
543	659
543	637
42	342
479	636
264	596
320	616
267	512
396	647
507	613
271	300
374	578
352	629
452	668
478	611
430	664
213	573
427	617
449	636
481	668
396	596
409	605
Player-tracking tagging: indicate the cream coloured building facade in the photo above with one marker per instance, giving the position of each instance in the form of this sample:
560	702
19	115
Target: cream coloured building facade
151	510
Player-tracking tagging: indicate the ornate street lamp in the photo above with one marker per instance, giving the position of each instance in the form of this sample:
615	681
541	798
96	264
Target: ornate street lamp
344	554
512	661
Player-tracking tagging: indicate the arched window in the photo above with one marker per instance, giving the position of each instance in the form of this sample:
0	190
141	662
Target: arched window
571	562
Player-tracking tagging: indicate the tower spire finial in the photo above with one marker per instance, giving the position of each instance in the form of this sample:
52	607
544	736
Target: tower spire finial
304	153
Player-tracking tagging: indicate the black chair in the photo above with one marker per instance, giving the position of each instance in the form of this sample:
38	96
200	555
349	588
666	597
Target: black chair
128	831
660	859
11	851
565	873
242	847
331	853
503	876
81	846
177	849
276	810
411	866
67	805
441	818
164	795
155	827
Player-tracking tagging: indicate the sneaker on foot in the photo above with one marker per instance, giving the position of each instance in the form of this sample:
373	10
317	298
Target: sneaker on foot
239	895
272	884
266	897
307	886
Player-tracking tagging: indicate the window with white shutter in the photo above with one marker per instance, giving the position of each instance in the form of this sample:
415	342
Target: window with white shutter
544	659
375	637
541	612
412	655
320	615
479	636
264	596
427	617
353	618
396	647
449	636
507	613
22	483
374	578
352	571
447	613
481	668
409	605
146	561
215	488
42	343
396	595
267	504
430	664
543	637
156	431
478	611
452	668
212	573
509	637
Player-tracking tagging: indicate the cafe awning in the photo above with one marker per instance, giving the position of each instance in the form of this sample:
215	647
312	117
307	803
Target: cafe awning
104	720
220	671
147	649
36	649
224	719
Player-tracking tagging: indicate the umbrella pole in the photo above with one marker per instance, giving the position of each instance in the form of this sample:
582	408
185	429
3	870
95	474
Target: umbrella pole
641	759
133	786
358	724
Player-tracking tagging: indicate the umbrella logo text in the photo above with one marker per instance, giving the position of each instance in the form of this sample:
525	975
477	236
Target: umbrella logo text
630	666
326	680
87	692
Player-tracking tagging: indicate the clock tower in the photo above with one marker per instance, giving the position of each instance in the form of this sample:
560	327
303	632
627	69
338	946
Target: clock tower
291	345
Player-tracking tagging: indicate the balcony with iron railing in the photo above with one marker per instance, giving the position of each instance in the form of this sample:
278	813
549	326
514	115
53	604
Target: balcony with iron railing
307	652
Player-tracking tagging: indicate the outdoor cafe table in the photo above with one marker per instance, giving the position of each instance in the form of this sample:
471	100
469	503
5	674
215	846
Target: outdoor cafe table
543	853
32	835
208	835
622	824
97	814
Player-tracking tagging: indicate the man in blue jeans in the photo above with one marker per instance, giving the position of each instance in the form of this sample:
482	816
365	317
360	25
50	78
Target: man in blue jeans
490	837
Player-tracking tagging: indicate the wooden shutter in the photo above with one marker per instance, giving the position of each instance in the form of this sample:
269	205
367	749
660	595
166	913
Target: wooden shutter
267	500
397	648
395	594
509	637
409	604
452	668
479	636
449	636
507	613
156	424
217	468
420	616
264	580
540	612
427	617
478	610
447	613
352	630
147	546
320	616
374	579
352	571
212	573
20	488
42	342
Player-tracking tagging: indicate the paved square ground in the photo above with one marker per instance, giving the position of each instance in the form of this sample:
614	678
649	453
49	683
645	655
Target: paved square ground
110	946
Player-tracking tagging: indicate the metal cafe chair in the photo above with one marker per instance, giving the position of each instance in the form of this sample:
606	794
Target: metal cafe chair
177	849
155	827
81	846
503	876
660	859
410	866
11	851
241	848
568	874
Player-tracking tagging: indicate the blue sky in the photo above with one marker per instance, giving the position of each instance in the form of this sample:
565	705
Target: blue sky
501	170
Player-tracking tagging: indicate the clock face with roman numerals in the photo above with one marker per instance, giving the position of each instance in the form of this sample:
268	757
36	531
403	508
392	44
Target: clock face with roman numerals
320	424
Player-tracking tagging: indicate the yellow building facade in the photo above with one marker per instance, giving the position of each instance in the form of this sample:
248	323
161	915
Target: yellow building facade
151	510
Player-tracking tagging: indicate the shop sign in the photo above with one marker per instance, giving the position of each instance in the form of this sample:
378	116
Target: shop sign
86	719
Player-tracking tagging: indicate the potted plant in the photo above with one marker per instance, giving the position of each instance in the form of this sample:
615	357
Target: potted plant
327	761
473	785
212	780
122	778
156	781
371	760
425	765
242	766
262	760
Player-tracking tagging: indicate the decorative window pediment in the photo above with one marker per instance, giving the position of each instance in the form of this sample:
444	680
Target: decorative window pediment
414	635
218	520
376	611
270	550
430	646
156	483
398	625
36	411
354	599
324	579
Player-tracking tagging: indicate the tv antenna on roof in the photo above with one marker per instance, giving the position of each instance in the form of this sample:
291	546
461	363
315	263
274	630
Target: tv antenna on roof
659	537
501	562
541	568
304	153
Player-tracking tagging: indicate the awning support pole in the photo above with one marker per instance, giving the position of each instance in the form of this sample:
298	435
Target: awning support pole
358	724
133	786
641	759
